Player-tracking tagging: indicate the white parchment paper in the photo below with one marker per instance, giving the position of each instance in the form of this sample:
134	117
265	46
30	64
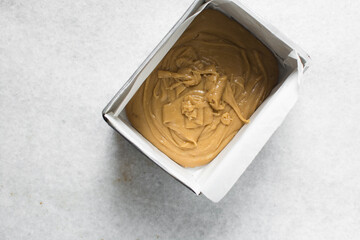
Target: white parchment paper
215	179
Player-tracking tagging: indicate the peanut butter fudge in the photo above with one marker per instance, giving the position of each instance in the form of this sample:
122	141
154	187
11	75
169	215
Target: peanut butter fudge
204	90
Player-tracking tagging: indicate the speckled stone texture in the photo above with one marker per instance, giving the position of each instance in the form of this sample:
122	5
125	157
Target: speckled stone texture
65	174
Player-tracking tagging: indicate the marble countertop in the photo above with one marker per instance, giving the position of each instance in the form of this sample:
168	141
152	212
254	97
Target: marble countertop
65	174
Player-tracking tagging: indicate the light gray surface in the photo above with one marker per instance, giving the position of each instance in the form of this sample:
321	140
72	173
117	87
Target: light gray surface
64	174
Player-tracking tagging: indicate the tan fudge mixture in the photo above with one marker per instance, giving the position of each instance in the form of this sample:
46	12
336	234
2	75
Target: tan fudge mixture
204	90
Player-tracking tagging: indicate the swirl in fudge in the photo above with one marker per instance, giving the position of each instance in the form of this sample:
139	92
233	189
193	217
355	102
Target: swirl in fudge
204	90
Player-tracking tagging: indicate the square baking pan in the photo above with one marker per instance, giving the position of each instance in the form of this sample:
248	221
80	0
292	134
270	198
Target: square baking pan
216	178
